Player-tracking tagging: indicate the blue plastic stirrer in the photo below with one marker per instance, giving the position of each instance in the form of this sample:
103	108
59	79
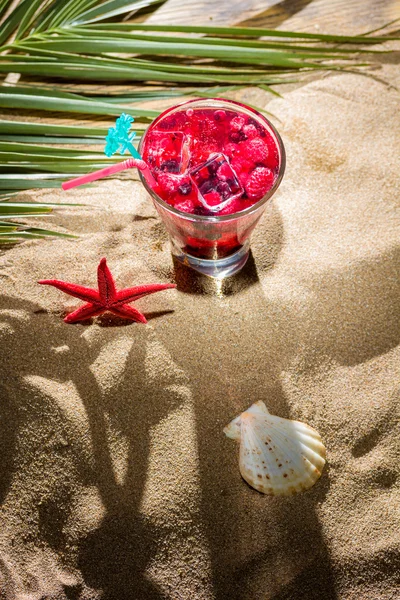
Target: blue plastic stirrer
119	139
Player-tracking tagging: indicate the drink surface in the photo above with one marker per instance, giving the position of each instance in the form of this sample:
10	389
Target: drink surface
210	161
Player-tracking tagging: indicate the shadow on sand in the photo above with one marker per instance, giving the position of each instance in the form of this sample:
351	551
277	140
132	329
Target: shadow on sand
230	351
113	557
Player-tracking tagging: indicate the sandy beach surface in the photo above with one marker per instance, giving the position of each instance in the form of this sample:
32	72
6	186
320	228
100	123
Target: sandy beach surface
116	480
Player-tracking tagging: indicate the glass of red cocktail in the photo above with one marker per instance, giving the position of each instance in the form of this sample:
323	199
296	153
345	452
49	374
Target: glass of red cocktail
215	164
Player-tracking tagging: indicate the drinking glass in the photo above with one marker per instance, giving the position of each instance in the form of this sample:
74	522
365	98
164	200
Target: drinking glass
214	245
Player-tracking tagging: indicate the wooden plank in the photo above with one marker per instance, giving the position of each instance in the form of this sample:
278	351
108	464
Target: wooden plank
327	16
208	12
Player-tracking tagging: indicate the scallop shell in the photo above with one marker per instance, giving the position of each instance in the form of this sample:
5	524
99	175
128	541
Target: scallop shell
277	456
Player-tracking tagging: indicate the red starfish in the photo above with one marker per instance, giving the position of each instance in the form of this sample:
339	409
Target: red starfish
106	297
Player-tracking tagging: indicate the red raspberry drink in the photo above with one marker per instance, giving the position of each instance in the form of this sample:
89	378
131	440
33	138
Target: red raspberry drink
215	164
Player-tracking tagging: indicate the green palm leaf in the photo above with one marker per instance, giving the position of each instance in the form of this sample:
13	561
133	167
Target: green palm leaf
252	32
4	4
112	8
42	99
28	17
44	130
15	231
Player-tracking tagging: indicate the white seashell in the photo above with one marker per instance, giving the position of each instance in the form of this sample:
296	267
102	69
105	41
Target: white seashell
277	456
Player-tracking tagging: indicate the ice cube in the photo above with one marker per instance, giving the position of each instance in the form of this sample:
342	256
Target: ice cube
167	151
216	182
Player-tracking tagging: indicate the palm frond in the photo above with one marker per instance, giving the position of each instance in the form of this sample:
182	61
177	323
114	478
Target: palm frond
42	99
15	231
32	8
4	4
251	32
112	8
45	130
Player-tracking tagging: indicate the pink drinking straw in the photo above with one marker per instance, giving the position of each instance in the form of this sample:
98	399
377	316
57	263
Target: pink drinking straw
126	164
119	139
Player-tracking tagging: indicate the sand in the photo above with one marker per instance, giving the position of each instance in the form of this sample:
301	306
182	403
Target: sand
116	481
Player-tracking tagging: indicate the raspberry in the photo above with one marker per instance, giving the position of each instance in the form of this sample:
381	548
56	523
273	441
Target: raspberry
240	165
212	198
237	136
185	188
220	115
257	125
224	172
206	187
201	152
255	150
231	150
169	183
185	206
259	182
273	157
235	206
237	123
243	177
172	166
231	207
224	189
212	167
251	131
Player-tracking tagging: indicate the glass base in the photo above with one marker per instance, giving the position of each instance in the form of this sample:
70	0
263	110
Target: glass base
219	269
